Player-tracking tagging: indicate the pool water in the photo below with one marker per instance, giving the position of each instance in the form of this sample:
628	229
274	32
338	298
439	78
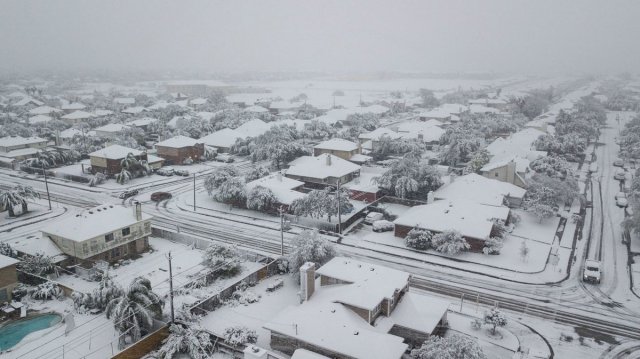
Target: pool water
13	332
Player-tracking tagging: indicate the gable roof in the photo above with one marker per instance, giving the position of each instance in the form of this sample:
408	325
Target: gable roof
43	110
480	189
224	138
112	127
253	128
281	186
115	152
9	141
378	133
179	142
337	144
321	168
78	115
73	106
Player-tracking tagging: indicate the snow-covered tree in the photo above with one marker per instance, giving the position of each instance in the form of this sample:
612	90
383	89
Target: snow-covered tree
524	250
134	312
410	178
552	166
221	260
232	191
477	161
309	246
220	176
449	242
317	130
418	239
541	210
123	176
45	291
429	99
239	335
495	319
18	195
261	199
38	264
256	172
452	347
7	250
107	291
492	245
191	340
97	179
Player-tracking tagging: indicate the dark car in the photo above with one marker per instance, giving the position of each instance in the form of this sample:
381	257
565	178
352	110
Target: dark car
183	173
160	196
127	194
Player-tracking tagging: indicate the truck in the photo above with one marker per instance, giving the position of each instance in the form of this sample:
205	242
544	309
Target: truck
592	271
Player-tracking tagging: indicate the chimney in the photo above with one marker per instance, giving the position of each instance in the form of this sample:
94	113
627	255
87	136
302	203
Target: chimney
307	280
430	197
138	211
254	352
328	159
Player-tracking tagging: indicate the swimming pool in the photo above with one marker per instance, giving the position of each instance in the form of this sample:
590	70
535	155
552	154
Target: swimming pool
13	332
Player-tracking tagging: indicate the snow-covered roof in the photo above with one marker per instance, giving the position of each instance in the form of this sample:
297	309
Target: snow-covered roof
112	128
306	354
482	109
124	100
78	115
281	186
436	114
224	138
517	144
337	144
43	110
94	222
70	132
253	128
487	101
365	182
134	110
39	118
142	121
115	152
479	189
360	158
471	219
154	159
256	109
378	133
179	142
285	105
453	108
27	100
521	163
413	126
427	135
74	106
7	261
331	326
416	311
320	167
100	113
198	101
10	141
21	152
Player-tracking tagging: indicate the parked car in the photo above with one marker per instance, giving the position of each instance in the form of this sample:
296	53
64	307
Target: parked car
383	226
160	196
224	157
621	195
618	163
183	173
372	217
592	271
127	194
168	171
620	175
622	202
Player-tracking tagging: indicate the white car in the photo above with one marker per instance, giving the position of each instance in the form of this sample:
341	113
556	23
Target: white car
372	217
383	226
621	195
592	271
618	163
223	157
622	202
620	175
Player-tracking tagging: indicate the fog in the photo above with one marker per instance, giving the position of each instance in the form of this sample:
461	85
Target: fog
433	36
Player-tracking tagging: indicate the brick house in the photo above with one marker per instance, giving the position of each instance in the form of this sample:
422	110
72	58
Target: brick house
106	232
108	160
8	277
473	220
338	147
340	309
180	148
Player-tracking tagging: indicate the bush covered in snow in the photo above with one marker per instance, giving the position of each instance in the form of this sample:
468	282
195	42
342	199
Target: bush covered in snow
256	172
449	242
46	291
495	318
452	347
492	245
220	176
191	340
418	239
239	335
261	199
38	264
410	177
97	179
221	260
309	246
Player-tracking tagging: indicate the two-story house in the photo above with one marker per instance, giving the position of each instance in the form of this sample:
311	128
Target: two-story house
20	148
106	232
322	171
338	147
108	160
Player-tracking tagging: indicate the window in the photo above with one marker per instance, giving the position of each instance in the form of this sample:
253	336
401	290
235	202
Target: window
115	253
126	231
4	297
496	174
108	237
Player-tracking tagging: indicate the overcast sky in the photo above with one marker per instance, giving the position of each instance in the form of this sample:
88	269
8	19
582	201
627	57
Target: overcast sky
538	36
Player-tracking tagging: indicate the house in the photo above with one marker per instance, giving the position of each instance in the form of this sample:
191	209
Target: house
497	104
71	107
196	102
20	148
179	149
286	190
322	171
472	219
436	114
427	132
253	128
133	110
66	136
480	189
221	140
454	109
77	117
155	162
356	310
512	170
107	160
279	107
43	110
339	147
519	148
256	109
8	277
102	113
126	101
28	101
142	123
38	119
364	188
106	232
481	109
371	139
111	130
201	88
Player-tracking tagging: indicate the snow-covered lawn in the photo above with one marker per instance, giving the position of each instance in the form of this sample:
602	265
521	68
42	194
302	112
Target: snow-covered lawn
500	346
255	315
531	228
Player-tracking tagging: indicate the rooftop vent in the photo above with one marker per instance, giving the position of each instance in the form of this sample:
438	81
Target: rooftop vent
371	269
356	333
90	212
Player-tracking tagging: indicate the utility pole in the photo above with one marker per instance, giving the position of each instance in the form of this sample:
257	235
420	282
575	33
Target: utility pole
281	210
171	288
339	212
46	184
194	192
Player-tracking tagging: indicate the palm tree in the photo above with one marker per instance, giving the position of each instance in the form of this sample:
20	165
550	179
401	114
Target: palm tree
18	195
129	161
134	312
27	193
187	339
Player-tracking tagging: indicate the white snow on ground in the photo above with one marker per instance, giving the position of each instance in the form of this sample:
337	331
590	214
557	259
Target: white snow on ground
531	228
